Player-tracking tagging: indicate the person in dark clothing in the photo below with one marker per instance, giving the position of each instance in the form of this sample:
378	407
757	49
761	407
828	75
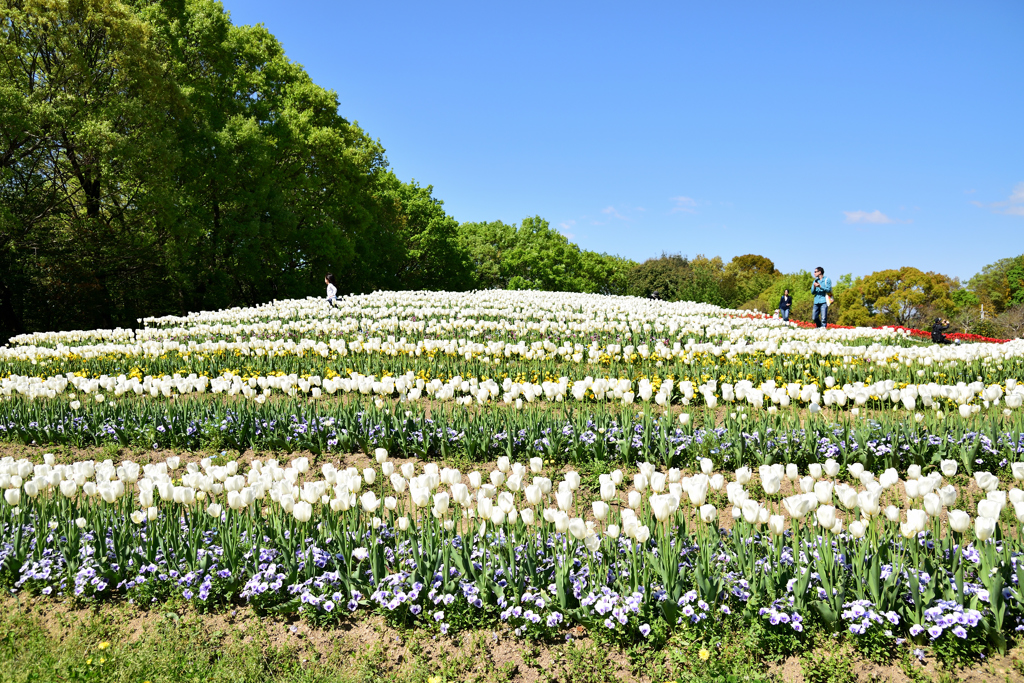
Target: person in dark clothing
655	296
938	328
785	303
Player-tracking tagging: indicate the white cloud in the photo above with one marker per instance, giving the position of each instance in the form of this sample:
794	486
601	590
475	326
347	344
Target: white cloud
874	217
1014	206
684	204
611	211
566	227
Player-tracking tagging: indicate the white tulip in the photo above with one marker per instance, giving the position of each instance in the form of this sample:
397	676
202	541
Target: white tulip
826	515
303	511
368	501
989	508
984	527
986	481
831	468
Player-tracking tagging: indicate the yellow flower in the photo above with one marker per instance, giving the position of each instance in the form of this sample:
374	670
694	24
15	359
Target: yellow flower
105	644
433	679
704	654
88	661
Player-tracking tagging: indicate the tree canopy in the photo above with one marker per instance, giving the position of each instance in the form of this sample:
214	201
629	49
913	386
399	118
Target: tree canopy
156	158
898	297
532	255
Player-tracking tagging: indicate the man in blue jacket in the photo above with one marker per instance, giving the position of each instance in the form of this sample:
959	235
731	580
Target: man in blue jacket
822	291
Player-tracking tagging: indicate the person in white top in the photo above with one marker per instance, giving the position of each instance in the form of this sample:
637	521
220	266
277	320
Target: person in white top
332	289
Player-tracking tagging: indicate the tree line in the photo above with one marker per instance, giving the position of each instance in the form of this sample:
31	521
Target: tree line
991	303
156	159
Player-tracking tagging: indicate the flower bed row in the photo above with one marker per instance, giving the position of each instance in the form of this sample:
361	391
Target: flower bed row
986	441
440	549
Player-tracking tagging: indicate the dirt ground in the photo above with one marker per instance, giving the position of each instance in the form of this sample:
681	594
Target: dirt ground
484	651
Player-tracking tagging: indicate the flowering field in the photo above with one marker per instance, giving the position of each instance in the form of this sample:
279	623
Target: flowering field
647	473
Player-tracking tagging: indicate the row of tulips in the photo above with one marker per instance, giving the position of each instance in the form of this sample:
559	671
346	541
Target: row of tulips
602	434
639	556
965	398
499	314
802	378
649	352
527	338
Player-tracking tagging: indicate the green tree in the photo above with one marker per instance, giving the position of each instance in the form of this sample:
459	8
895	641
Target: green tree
668	275
799	286
276	187
709	283
1000	285
542	258
897	297
604	273
533	256
750	275
487	245
155	158
677	278
429	252
86	152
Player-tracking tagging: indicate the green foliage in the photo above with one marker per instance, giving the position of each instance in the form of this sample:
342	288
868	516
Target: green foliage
829	666
954	652
218	174
542	259
798	284
666	275
750	275
427	252
774	642
605	273
85	175
677	278
963	298
534	256
487	245
896	297
1000	285
725	660
877	644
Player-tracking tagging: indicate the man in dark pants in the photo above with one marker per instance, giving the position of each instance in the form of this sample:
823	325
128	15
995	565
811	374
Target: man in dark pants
822	291
938	328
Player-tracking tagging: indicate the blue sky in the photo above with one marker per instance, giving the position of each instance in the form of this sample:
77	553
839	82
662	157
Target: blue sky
857	136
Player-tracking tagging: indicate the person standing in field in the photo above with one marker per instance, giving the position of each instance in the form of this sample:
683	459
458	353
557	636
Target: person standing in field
332	289
822	291
785	303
